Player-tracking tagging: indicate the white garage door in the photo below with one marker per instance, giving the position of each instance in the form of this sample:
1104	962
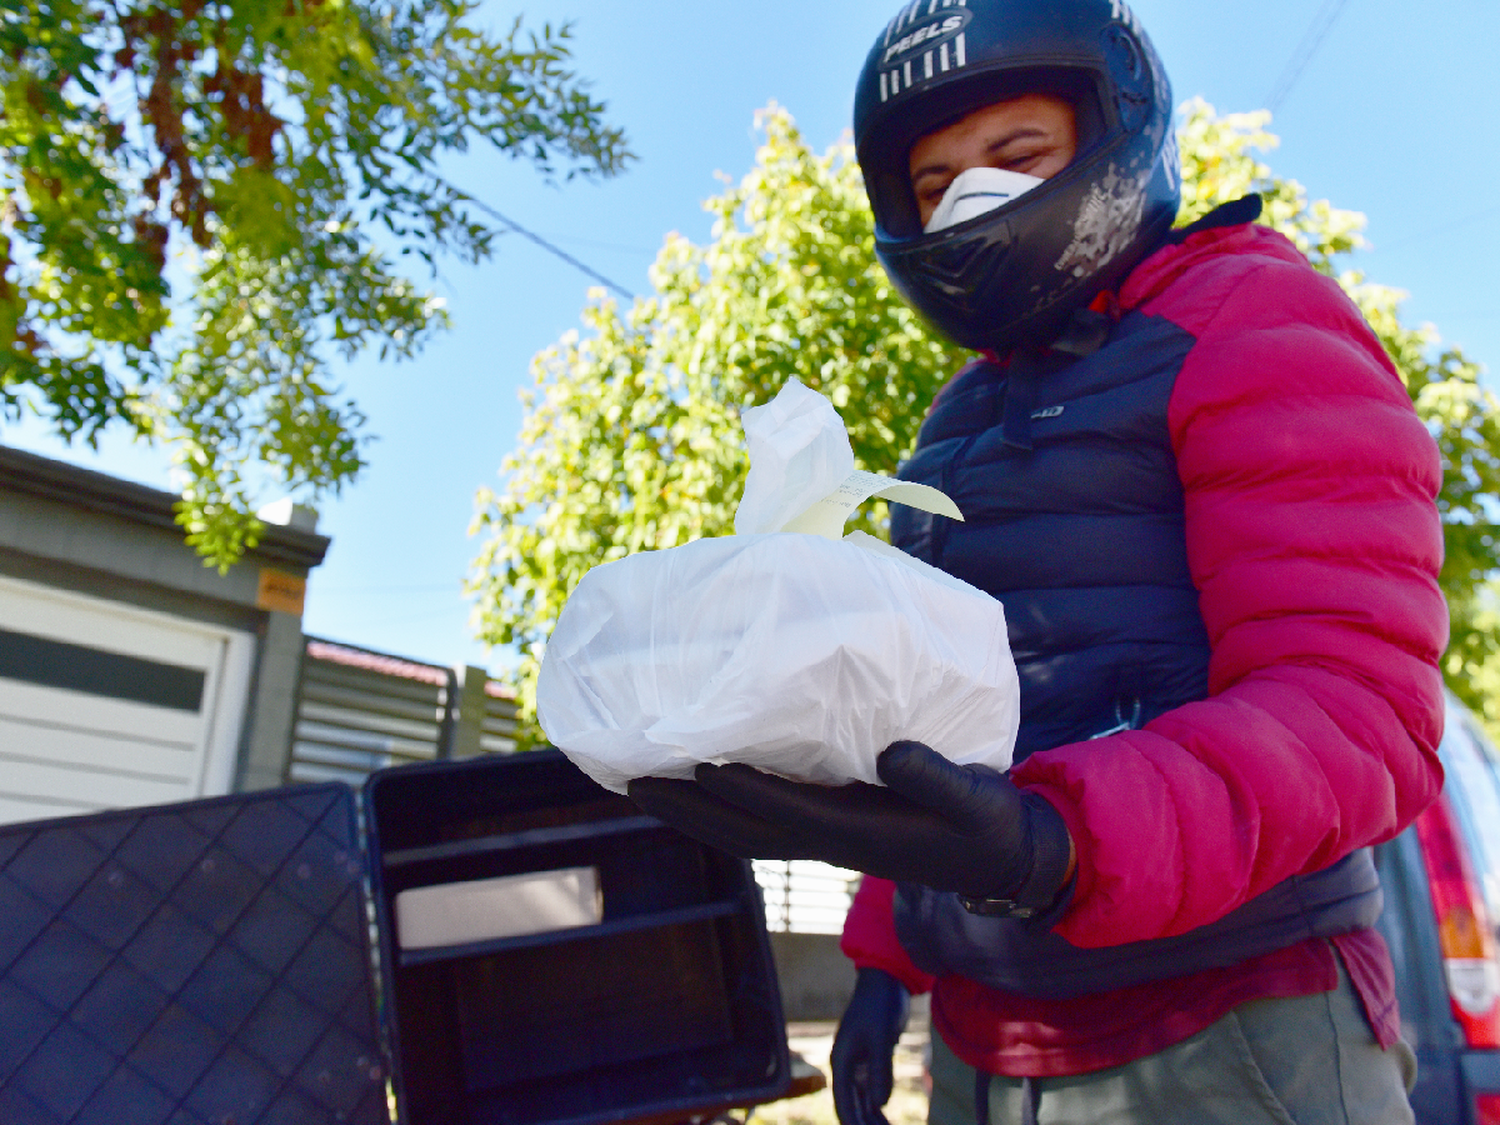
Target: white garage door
103	705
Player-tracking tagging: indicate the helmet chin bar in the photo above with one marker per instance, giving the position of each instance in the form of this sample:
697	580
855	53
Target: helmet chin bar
1016	274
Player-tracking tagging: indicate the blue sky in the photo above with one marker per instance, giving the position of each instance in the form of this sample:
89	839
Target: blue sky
1394	116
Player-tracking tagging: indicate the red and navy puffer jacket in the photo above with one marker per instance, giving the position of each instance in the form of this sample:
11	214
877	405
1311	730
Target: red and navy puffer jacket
1217	545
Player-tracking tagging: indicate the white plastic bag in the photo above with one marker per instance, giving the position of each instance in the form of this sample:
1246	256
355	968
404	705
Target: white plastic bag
782	646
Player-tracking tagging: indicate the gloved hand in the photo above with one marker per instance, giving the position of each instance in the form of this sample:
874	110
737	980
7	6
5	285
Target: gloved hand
953	828
865	1045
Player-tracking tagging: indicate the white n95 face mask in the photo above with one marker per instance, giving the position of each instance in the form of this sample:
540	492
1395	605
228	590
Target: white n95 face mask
975	191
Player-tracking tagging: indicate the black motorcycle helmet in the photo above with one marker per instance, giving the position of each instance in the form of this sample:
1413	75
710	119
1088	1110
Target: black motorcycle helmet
1017	273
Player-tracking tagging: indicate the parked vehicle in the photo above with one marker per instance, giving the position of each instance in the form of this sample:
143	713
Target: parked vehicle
1442	900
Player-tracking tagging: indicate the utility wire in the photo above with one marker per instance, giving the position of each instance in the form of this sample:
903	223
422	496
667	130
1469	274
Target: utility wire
1318	31
547	246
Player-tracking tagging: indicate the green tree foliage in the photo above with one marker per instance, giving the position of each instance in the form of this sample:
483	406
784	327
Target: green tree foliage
1219	164
200	200
631	438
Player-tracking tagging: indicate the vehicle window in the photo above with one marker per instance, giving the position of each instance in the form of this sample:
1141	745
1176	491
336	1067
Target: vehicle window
1473	766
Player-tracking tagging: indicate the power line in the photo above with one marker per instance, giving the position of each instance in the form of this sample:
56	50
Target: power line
547	246
1318	31
596	244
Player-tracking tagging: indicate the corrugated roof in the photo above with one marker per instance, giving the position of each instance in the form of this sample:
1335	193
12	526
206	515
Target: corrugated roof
352	657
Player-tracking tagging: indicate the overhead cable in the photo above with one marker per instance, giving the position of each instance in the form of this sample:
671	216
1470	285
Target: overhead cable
1318	31
547	246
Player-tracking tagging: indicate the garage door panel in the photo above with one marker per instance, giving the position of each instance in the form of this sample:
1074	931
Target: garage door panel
20	779
94	750
116	718
48	662
16	810
29	608
108	705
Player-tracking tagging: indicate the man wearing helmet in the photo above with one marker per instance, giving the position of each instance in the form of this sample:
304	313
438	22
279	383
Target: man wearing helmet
1194	479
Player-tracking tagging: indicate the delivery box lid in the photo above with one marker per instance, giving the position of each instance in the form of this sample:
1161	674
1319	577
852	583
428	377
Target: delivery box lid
204	961
571	961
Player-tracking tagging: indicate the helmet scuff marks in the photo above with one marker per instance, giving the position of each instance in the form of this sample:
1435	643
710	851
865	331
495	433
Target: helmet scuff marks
1106	224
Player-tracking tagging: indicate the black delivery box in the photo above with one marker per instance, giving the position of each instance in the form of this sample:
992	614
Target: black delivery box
545	955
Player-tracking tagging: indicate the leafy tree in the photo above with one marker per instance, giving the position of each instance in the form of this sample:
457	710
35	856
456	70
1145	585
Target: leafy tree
631	436
1464	417
198	201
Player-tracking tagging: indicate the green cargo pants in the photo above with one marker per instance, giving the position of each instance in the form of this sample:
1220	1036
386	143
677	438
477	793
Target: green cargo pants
1309	1060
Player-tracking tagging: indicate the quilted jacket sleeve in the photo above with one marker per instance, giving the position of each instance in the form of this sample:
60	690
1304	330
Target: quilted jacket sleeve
1315	543
870	935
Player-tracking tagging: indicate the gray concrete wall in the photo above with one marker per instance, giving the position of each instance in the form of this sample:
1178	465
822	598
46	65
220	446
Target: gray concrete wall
266	744
466	734
120	548
816	978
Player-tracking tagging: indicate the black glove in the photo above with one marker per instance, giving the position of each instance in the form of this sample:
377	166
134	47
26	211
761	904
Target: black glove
953	828
865	1045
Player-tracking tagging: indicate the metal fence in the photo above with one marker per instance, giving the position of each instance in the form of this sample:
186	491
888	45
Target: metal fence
804	896
359	711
